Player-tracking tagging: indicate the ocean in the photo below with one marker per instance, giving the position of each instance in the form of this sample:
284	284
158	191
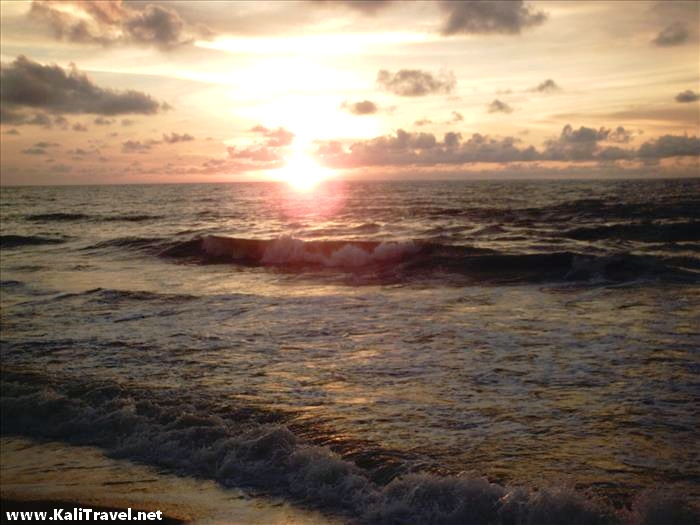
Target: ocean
379	352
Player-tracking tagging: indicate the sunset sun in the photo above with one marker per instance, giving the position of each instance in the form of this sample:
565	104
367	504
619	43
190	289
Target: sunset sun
302	172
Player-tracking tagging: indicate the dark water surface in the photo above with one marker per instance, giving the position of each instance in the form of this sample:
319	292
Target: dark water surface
355	345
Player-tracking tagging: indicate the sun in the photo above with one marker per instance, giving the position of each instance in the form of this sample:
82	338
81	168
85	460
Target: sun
302	172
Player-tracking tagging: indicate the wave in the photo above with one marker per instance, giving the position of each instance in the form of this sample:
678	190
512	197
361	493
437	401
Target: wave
111	296
575	210
51	217
250	447
400	261
16	241
645	232
71	217
135	243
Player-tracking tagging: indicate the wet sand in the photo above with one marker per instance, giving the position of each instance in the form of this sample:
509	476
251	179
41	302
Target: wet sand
36	476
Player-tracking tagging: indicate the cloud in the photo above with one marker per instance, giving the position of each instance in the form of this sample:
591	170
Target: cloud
675	34
101	121
79	127
366	107
137	146
368	7
45	145
416	83
456	117
489	16
275	137
174	138
9	115
113	22
61	168
26	83
573	145
423	122
620	135
61	121
12	132
263	155
127	122
254	153
548	86
499	107
34	151
687	96
406	148
670	146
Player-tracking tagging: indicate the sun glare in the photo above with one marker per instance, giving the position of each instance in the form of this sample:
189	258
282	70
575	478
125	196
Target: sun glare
302	172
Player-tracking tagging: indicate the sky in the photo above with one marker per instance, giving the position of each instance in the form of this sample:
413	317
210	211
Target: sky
131	91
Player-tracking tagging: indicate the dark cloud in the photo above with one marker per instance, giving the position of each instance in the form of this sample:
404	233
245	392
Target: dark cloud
174	138
548	86
113	22
670	146
613	153
275	137
675	34
499	107
456	117
423	122
9	115
687	96
12	132
366	107
416	83
489	16
572	145
101	121
26	83
575	144
45	145
127	122
34	151
620	135
424	149
79	127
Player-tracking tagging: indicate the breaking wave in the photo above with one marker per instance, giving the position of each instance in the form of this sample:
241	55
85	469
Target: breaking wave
411	259
250	447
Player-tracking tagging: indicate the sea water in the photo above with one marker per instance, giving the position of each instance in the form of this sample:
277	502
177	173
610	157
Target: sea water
386	352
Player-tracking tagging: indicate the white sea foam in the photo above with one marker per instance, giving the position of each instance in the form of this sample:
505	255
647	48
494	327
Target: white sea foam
272	458
288	250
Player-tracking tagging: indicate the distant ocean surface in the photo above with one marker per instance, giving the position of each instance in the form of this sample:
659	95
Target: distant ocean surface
399	352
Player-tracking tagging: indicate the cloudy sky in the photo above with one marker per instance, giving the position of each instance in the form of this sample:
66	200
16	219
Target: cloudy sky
149	91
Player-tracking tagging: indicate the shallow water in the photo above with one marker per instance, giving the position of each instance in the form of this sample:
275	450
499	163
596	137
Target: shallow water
525	332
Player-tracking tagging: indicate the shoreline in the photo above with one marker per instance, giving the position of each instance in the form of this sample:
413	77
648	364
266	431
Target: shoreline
41	476
48	506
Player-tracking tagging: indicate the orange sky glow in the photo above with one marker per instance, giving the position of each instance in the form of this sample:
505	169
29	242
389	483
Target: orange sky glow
148	91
